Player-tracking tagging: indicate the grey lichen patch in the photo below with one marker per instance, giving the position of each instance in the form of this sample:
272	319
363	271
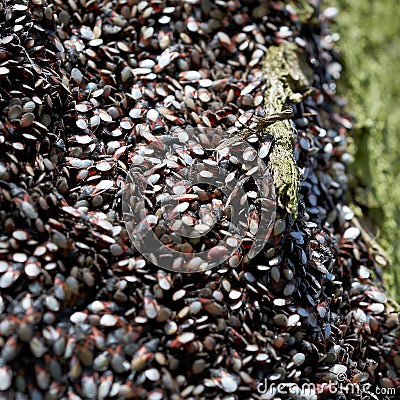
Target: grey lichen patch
283	167
285	77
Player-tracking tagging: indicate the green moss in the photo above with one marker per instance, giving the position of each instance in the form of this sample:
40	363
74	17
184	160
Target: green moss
303	9
371	53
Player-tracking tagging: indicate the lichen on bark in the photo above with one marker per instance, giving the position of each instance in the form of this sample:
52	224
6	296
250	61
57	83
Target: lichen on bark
284	78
